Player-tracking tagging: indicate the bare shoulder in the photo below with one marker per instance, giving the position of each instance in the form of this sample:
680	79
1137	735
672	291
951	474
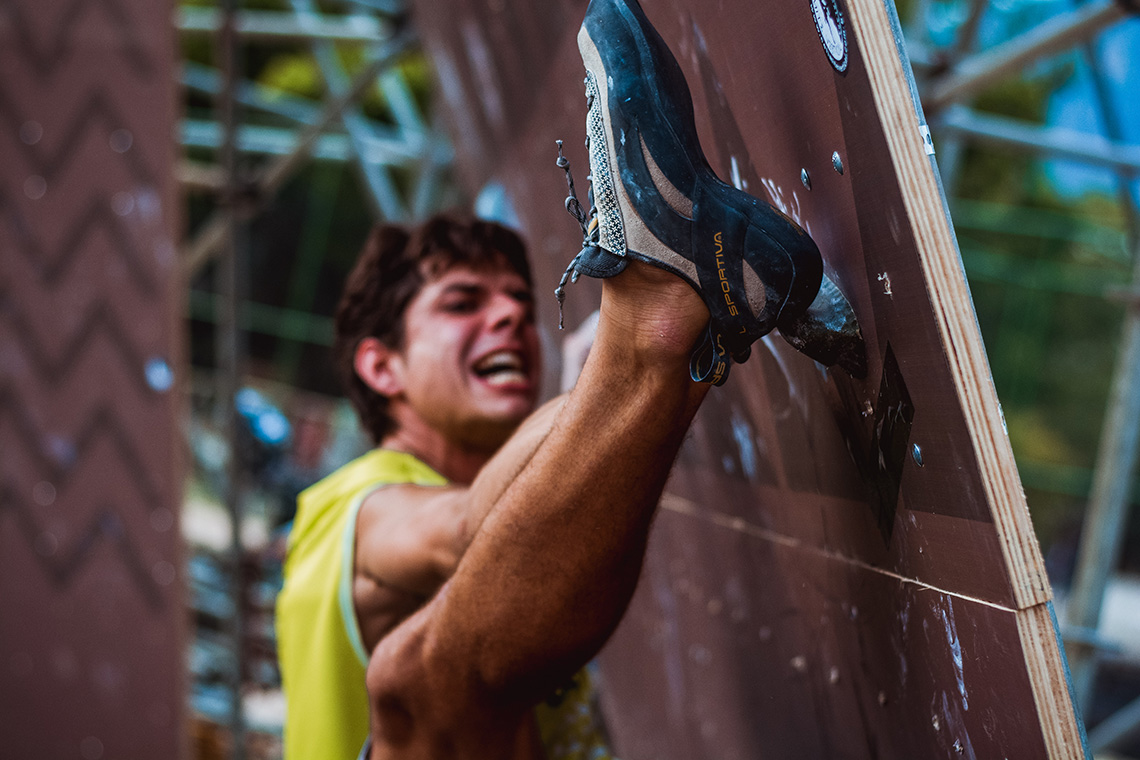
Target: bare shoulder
409	536
393	512
399	498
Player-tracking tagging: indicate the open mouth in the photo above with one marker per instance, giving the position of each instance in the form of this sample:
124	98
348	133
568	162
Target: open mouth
502	368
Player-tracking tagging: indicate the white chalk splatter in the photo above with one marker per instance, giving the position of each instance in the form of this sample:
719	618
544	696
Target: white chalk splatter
947	616
742	432
789	208
793	390
736	181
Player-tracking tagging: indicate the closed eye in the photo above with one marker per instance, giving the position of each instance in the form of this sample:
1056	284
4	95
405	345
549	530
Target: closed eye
460	299
460	306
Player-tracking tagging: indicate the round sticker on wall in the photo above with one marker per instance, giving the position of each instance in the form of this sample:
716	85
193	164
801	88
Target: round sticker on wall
832	31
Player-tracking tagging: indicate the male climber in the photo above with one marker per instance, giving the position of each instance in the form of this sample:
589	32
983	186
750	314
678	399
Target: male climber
695	271
436	341
544	547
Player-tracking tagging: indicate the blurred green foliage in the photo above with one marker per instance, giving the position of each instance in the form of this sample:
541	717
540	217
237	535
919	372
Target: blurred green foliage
295	73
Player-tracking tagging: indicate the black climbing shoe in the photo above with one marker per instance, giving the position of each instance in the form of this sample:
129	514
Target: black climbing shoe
655	198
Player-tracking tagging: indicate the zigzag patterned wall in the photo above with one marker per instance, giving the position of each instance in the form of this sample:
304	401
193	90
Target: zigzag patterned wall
91	620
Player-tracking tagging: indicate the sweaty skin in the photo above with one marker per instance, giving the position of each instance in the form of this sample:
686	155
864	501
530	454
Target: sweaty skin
552	566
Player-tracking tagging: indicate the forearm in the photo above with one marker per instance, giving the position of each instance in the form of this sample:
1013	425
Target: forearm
548	576
498	474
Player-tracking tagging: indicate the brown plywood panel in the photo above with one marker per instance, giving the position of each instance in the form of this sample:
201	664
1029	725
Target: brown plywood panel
92	629
814	430
904	480
750	648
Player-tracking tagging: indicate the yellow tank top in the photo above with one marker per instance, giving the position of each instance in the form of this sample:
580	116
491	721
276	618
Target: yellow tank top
319	649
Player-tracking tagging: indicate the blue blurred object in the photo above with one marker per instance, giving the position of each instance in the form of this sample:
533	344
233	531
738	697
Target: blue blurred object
1074	104
266	422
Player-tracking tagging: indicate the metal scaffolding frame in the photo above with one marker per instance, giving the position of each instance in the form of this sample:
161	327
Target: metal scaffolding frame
257	139
960	75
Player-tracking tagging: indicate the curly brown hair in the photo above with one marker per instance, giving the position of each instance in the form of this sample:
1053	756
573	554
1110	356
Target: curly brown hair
394	264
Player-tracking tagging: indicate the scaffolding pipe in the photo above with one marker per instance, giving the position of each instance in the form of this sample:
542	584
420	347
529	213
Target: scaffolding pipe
1120	440
1116	727
380	147
1108	507
211	235
1055	141
950	150
966	39
1114	129
228	348
979	71
384	197
278	25
200	177
208	80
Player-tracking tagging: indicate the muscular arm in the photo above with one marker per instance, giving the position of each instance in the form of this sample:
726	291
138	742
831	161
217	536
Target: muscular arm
410	538
548	576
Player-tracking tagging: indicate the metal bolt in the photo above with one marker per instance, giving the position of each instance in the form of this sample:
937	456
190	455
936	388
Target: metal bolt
837	162
805	178
916	452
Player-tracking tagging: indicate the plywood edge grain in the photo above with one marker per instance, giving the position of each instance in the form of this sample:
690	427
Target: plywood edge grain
1049	676
875	29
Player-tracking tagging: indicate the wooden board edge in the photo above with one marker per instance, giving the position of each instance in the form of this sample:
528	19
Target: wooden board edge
877	31
1051	682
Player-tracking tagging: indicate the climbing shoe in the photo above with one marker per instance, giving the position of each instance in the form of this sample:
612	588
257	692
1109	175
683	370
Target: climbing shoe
654	198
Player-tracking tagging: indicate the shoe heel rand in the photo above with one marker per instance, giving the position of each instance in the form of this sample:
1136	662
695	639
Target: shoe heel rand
640	168
637	237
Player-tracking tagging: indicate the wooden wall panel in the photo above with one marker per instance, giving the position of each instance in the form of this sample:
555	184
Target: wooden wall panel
91	631
802	494
768	649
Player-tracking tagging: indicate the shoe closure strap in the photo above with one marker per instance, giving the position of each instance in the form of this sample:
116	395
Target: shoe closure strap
595	261
709	361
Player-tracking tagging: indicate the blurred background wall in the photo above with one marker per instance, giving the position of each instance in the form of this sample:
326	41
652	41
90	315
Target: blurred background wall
92	615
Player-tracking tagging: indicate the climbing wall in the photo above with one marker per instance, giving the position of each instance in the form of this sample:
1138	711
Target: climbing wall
841	568
91	617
